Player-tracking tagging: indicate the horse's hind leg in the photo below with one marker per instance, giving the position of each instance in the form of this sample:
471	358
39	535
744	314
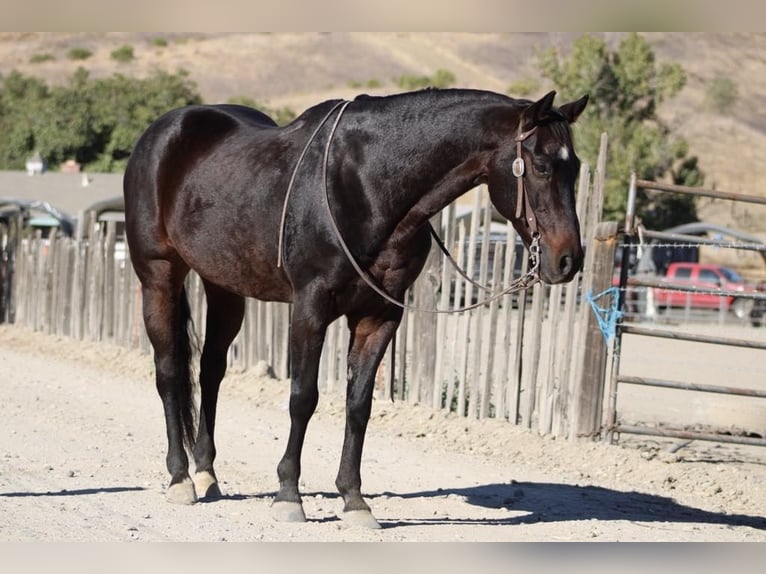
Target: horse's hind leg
166	316
225	311
370	335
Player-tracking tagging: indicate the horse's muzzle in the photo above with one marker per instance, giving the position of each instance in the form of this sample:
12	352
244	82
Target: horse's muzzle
560	267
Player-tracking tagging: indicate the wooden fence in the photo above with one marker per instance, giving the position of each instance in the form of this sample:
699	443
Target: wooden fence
525	358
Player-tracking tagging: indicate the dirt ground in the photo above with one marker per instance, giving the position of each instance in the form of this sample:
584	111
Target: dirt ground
82	457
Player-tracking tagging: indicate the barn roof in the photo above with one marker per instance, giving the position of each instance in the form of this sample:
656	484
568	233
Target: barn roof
64	191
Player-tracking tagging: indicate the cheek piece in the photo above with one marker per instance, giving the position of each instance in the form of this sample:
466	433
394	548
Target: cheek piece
522	197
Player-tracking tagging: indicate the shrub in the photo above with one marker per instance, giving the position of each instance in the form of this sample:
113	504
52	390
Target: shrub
284	115
159	42
78	53
441	79
411	82
722	93
123	53
524	87
38	58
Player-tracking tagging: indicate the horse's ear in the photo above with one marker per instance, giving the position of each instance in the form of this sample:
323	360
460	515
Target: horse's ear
572	110
536	111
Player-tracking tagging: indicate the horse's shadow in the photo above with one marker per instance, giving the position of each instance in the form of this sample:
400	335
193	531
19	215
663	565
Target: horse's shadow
537	501
553	502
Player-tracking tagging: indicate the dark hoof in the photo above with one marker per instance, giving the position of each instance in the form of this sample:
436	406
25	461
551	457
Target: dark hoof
206	486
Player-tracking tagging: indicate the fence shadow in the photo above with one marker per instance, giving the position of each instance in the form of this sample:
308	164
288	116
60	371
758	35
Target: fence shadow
553	502
75	492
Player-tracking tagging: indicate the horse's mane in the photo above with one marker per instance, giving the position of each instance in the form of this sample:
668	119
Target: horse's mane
432	94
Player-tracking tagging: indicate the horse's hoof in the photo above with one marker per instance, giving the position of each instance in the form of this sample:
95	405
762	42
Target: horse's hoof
206	485
284	511
360	518
182	492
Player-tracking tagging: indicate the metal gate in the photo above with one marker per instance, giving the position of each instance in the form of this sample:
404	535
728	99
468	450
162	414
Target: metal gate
627	288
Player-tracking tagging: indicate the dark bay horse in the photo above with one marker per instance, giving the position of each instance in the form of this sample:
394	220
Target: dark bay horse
205	189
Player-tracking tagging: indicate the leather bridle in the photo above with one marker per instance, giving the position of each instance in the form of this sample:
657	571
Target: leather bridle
522	197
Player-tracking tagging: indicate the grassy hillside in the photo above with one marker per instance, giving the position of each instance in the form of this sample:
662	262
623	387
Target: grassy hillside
298	70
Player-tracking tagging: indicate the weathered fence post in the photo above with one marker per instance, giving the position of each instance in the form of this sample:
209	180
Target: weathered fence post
110	283
589	387
10	246
425	296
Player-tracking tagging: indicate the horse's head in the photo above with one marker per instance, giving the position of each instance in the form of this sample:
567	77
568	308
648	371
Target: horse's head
536	192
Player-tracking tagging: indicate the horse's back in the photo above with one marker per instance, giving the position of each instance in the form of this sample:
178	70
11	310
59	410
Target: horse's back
183	134
186	183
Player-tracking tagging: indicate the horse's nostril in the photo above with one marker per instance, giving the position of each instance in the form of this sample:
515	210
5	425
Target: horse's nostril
565	264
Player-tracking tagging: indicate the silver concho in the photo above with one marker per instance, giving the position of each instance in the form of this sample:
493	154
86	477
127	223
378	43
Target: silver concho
518	167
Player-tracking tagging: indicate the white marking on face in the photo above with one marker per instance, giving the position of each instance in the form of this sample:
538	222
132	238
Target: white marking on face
564	154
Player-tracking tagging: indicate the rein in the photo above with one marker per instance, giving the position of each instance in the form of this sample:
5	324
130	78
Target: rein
527	280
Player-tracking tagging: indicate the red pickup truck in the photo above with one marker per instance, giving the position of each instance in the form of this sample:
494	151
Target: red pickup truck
706	280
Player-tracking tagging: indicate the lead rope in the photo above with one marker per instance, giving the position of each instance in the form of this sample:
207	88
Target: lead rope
292	179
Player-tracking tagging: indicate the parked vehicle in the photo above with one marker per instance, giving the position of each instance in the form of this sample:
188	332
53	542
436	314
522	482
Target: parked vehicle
39	215
706	281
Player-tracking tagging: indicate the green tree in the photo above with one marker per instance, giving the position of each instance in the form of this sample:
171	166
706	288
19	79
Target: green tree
124	107
20	122
95	122
66	124
626	87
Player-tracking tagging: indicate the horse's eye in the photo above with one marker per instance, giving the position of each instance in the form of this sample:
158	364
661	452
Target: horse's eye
541	168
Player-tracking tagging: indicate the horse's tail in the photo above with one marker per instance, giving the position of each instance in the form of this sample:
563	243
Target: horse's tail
187	344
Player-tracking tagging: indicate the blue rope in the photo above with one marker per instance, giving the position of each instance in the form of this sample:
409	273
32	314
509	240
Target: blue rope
607	317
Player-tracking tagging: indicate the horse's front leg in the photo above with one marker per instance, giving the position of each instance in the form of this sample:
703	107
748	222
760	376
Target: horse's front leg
307	333
370	336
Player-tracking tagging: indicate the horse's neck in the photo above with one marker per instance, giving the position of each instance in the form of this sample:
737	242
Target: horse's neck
448	165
